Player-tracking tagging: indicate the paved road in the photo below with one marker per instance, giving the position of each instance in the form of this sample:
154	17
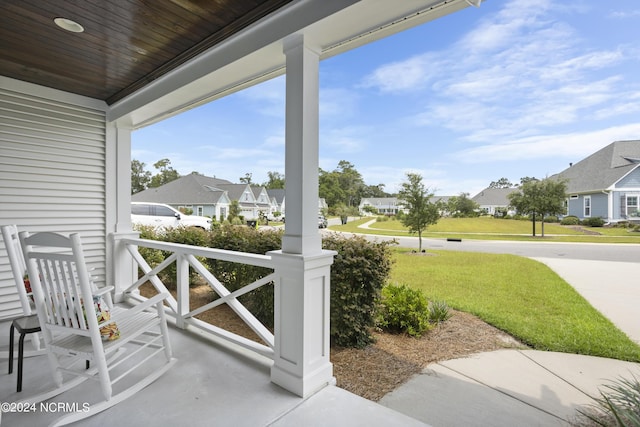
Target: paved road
585	251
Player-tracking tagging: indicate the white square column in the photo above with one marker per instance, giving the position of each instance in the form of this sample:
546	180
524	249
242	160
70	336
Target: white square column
120	266
302	291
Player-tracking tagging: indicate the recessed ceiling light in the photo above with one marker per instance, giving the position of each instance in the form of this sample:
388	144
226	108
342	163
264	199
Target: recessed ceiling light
69	25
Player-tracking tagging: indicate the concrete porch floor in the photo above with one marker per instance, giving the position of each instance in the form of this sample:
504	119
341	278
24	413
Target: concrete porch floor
210	384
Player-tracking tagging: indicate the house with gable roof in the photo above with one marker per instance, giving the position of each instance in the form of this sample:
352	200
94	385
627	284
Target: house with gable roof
196	192
276	197
606	184
491	199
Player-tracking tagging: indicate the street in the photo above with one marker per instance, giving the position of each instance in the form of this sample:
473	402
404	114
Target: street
581	251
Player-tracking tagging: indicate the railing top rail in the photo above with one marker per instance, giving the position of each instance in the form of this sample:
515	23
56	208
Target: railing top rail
220	254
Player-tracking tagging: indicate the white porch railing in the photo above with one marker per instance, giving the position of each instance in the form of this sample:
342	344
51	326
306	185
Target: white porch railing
184	256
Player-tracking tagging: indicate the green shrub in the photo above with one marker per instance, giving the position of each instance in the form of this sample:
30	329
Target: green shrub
593	222
359	271
382	218
570	220
404	309
551	219
439	311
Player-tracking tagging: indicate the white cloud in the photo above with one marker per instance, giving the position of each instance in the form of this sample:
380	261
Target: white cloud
337	103
404	76
570	145
624	14
345	140
521	72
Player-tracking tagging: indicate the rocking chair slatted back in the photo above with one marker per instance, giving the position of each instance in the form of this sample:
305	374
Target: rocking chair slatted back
62	277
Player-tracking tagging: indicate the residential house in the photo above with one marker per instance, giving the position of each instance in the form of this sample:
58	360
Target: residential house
383	206
606	184
276	196
491	199
262	202
196	192
71	100
391	205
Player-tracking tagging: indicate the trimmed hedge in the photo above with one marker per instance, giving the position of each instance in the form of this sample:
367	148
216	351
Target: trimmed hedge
360	270
593	222
570	220
234	276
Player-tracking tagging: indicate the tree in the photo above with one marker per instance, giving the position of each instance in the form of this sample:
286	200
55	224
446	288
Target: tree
374	191
343	185
234	210
246	179
140	178
541	198
165	173
422	212
501	183
276	180
351	181
462	206
526	179
330	188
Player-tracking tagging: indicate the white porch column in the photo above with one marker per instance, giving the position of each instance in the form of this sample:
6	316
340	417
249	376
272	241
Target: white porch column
301	359
119	262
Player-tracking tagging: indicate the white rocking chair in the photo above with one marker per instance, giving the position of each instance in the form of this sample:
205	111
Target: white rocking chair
68	308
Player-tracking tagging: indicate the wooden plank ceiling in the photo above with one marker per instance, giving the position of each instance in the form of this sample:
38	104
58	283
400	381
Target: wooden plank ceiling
125	44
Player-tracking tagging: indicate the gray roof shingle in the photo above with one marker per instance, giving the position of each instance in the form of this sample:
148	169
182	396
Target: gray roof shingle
603	168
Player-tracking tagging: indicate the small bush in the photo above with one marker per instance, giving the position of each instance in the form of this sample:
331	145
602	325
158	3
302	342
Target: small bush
439	311
403	309
382	218
551	219
570	220
593	222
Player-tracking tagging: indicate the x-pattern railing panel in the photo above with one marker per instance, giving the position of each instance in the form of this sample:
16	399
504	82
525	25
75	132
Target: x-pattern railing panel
184	256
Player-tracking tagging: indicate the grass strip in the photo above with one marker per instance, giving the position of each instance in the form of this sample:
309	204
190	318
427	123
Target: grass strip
517	295
485	231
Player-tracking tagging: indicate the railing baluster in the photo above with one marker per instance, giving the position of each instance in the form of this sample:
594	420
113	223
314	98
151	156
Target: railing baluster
182	280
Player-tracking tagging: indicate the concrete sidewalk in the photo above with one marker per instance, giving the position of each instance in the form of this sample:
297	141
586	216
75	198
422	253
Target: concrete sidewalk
506	388
528	387
613	288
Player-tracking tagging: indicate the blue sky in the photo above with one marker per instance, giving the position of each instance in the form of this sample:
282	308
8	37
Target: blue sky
511	89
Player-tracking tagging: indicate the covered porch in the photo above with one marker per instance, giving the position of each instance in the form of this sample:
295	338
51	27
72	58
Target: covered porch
65	162
212	383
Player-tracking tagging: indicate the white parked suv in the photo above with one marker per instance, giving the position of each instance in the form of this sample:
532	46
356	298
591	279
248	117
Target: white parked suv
158	215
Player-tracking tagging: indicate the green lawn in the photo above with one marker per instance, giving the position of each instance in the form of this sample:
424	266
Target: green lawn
489	228
518	295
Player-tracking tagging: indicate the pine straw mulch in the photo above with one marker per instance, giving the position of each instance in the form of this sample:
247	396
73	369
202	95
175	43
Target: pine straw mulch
381	367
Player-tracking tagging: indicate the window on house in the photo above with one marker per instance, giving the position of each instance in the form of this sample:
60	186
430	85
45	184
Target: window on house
200	211
587	206
632	206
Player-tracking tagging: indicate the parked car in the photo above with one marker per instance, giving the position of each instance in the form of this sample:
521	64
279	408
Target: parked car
322	222
158	215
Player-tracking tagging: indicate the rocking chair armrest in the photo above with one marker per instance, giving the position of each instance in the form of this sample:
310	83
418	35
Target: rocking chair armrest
102	291
157	299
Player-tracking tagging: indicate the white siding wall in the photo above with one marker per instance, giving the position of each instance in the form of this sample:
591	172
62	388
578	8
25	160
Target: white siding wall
52	171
